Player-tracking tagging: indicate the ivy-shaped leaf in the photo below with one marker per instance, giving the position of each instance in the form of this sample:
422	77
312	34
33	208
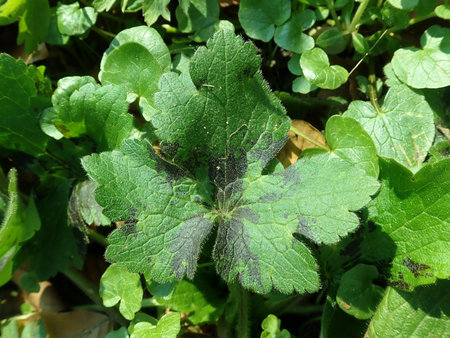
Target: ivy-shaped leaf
218	131
402	128
167	327
259	18
428	67
289	36
20	104
271	328
136	59
153	9
198	17
317	70
412	212
73	20
119	285
357	295
33	28
422	313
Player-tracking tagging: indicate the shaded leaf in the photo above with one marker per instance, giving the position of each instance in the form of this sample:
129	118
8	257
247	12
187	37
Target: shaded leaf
271	328
117	285
259	18
153	9
168	327
198	17
33	28
289	36
73	20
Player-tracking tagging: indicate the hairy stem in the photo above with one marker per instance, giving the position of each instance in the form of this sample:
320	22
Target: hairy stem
373	88
359	12
92	292
309	139
243	327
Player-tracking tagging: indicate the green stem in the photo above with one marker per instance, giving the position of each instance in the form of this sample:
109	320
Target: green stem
415	20
330	6
309	139
243	327
103	33
373	88
359	12
205	265
95	236
150	302
92	292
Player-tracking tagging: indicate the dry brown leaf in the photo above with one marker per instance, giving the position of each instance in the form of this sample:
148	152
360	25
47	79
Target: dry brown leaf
296	144
227	3
74	324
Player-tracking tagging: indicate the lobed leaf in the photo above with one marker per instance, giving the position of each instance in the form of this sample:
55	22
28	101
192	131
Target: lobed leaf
198	17
33	28
167	327
73	20
412	210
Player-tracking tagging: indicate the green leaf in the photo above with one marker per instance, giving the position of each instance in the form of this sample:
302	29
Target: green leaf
46	260
422	313
153	9
54	36
19	223
301	85
348	140
33	28
360	43
11	10
289	36
140	78
221	135
198	17
20	104
168	327
428	67
119	285
294	65
200	298
317	70
136	189
357	295
412	210
332	40
404	4
225	116
104	5
271	328
119	333
259	18
83	207
403	129
73	20
443	11
82	107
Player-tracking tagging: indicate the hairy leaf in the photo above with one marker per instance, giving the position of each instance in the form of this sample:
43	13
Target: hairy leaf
82	107
259	18
412	210
422	313
428	67
403	128
119	285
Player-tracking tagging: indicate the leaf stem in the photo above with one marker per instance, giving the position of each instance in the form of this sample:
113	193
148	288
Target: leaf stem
357	18
373	88
415	20
330	6
150	302
204	265
99	238
243	327
103	33
309	139
92	292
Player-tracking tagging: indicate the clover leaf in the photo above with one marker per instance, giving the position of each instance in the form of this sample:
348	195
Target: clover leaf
402	128
217	131
317	70
428	67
